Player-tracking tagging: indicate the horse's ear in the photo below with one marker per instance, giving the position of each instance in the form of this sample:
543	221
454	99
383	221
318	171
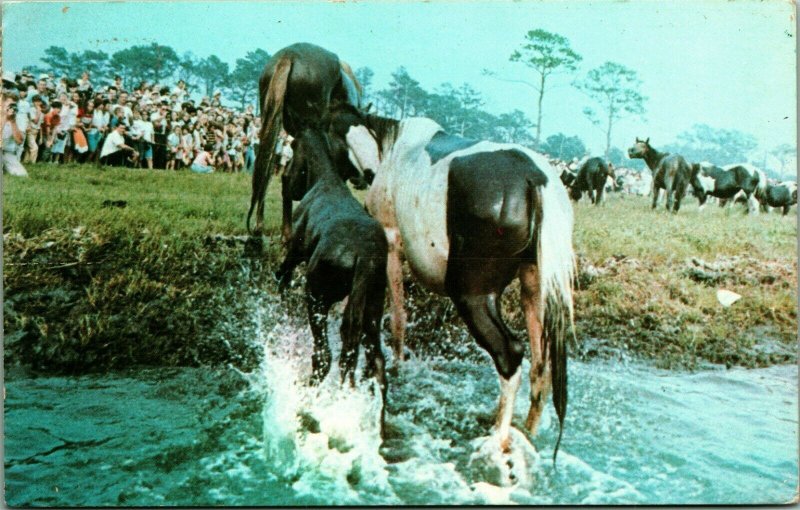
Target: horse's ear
647	141
367	108
637	140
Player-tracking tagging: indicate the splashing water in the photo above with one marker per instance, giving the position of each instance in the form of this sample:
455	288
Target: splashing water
203	437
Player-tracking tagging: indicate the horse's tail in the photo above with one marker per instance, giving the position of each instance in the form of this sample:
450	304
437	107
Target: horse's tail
351	84
271	122
556	261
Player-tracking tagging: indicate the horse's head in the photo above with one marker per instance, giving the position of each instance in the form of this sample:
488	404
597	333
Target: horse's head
348	124
639	149
610	171
316	152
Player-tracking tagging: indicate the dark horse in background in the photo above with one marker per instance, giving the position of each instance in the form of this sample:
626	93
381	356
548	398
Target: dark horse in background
724	183
345	250
670	172
296	89
470	217
591	179
782	196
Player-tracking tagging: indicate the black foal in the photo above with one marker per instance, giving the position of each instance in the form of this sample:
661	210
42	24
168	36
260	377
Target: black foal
346	252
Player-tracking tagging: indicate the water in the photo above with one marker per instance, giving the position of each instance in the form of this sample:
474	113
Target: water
202	437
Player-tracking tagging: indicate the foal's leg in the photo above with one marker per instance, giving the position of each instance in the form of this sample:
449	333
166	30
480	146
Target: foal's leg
394	273
318	320
482	315
532	308
376	362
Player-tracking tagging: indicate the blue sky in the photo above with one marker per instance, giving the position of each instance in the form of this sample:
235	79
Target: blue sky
728	64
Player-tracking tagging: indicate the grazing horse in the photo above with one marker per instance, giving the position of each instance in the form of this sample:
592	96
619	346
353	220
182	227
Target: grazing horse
591	179
470	216
783	195
345	250
724	183
296	89
670	172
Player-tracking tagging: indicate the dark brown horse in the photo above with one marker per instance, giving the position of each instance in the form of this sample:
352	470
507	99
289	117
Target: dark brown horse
296	89
591	179
345	250
670	172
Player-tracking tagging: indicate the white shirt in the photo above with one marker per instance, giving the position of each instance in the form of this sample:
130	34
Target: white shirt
9	144
147	130
112	144
23	114
100	119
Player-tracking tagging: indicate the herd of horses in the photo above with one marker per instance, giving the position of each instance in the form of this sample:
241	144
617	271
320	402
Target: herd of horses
673	174
467	216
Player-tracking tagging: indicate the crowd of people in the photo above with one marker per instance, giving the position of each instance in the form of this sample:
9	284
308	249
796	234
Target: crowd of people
151	126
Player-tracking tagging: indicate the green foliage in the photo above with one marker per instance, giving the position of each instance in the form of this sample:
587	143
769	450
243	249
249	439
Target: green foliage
213	72
58	61
615	89
153	63
546	53
364	76
719	146
242	84
564	147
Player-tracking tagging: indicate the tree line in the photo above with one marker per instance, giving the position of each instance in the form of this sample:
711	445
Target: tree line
613	92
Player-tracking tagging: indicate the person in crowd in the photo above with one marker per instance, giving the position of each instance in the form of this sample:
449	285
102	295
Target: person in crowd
160	153
33	133
115	149
99	128
12	139
50	125
204	162
84	84
174	148
23	116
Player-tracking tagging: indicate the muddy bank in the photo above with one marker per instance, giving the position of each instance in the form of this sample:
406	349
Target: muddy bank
79	300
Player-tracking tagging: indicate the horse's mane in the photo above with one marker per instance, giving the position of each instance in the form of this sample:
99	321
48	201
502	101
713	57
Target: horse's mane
385	129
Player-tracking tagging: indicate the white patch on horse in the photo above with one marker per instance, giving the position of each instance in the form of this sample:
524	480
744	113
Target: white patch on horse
706	182
364	152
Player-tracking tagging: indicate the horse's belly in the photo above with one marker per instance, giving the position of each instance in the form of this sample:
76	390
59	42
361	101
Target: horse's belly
421	208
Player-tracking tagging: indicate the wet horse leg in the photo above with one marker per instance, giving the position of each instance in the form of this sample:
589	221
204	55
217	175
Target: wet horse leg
375	361
394	273
318	320
530	296
483	318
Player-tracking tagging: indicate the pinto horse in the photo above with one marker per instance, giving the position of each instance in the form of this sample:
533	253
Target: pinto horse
670	172
345	250
724	183
469	217
296	89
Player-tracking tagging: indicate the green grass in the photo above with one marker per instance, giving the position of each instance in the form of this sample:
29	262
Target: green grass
89	287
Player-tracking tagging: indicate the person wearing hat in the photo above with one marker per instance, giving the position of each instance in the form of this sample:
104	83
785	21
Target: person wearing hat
23	116
114	148
12	139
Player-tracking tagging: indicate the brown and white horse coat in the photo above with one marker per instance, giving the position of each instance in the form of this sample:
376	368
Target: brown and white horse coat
469	217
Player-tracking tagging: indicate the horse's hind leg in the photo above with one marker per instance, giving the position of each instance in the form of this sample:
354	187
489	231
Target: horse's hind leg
394	273
483	318
318	320
530	296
